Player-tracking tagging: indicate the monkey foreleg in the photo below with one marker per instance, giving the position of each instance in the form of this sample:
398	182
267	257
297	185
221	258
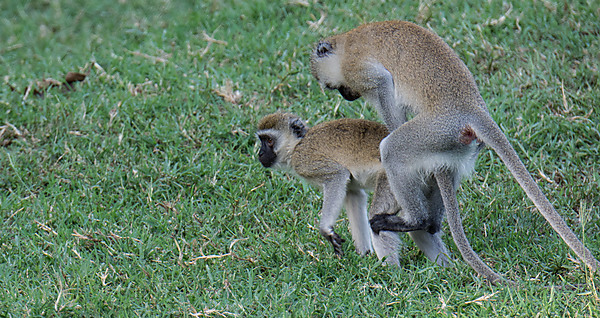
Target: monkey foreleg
334	192
383	98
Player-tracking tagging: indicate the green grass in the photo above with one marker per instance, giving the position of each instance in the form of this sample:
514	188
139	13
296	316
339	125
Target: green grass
139	193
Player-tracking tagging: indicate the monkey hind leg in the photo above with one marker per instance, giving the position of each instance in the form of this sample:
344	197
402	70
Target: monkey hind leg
386	246
431	243
432	246
356	209
385	211
409	155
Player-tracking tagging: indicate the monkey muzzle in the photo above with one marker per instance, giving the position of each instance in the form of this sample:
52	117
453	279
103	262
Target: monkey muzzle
348	94
267	159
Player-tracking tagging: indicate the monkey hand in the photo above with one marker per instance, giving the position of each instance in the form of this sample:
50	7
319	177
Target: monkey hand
337	242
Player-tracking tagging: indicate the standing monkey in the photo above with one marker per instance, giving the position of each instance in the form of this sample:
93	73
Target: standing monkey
342	158
402	68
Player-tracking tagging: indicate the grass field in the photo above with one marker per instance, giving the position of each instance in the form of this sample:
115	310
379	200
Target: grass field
136	192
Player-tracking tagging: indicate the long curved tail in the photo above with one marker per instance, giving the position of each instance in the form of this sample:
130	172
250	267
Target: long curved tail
488	131
446	185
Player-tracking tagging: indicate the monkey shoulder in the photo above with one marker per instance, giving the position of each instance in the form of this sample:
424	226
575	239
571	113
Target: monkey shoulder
315	164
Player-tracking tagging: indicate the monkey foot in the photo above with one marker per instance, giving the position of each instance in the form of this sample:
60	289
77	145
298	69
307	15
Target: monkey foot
386	222
392	222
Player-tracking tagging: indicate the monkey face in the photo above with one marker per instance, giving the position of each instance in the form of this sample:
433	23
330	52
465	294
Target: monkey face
326	68
278	134
325	64
266	154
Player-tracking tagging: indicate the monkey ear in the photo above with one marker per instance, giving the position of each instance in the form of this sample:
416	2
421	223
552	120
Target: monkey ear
297	127
323	48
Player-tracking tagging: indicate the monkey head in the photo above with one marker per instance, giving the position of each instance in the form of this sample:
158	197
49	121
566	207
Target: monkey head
279	134
325	66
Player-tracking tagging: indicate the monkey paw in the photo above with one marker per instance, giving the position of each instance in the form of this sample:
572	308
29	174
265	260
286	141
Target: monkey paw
337	242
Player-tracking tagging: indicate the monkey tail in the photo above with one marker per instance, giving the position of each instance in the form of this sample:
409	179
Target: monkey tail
488	131
446	185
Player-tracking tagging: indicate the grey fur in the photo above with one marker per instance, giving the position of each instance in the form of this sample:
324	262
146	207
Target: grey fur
402	68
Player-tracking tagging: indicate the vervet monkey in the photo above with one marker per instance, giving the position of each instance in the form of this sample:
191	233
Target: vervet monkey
402	68
342	158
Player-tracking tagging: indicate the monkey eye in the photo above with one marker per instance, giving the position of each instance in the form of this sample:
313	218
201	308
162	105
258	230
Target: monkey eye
323	48
270	142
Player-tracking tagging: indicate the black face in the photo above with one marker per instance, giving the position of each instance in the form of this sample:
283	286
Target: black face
348	94
266	154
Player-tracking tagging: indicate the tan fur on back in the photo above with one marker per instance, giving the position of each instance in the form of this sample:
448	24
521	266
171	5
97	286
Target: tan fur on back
350	143
427	71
